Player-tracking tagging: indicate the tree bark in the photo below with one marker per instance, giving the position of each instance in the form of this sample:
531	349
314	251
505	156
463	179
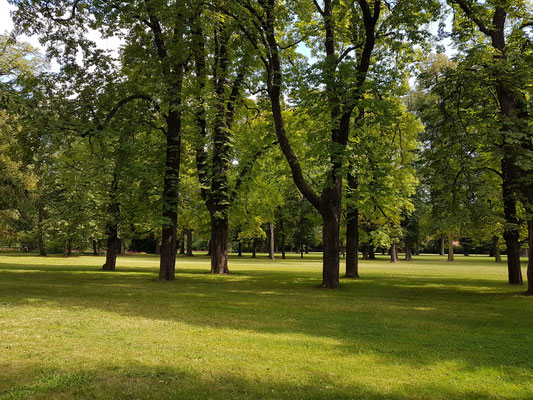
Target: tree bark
394	253
95	248
371	253
240	249
496	249
219	245
442	252
42	251
271	241
189	242
330	270
530	258
352	243
254	246
282	231
157	248
408	253
450	248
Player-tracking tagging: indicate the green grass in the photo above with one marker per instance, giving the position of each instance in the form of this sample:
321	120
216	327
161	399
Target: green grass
421	330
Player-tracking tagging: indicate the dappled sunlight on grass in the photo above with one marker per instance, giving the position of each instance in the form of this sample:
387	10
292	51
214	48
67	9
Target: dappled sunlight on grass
423	330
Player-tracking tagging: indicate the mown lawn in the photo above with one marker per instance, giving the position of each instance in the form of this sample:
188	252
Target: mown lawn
421	330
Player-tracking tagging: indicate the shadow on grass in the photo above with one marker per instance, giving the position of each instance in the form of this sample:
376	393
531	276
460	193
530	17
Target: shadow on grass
139	381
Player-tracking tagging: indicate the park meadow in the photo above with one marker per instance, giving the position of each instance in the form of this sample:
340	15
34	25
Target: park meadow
425	329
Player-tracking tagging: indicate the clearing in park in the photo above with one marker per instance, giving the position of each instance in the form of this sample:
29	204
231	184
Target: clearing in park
420	330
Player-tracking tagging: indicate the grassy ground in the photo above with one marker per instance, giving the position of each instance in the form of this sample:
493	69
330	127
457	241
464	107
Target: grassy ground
421	330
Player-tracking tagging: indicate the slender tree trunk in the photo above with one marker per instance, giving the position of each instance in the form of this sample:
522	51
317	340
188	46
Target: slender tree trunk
189	242
254	246
450	248
530	258
219	245
394	253
182	243
157	248
301	251
352	243
365	252
240	248
271	241
69	247
496	249
282	230
408	253
442	253
95	248
42	251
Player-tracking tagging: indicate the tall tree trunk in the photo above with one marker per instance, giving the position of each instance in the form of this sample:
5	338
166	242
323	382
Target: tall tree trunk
331	229
113	213
254	247
271	241
169	239
95	248
511	229
69	247
282	230
301	251
394	253
240	248
450	248
365	252
530	258
189	242
352	242
219	245
408	253
157	248
441	253
371	253
42	251
496	249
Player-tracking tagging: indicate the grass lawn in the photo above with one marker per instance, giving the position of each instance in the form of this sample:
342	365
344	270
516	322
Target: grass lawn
427	329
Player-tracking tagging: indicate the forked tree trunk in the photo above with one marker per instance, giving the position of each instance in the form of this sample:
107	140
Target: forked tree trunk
450	248
219	245
271	241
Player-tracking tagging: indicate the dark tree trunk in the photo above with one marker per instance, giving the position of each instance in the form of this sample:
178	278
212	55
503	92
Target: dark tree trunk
282	230
182	243
271	241
121	247
450	248
331	228
254	246
301	251
510	233
219	245
442	252
169	240
95	248
189	243
111	254
352	243
42	251
371	253
113	213
530	258
365	252
240	248
496	249
157	248
408	253
69	247
394	253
